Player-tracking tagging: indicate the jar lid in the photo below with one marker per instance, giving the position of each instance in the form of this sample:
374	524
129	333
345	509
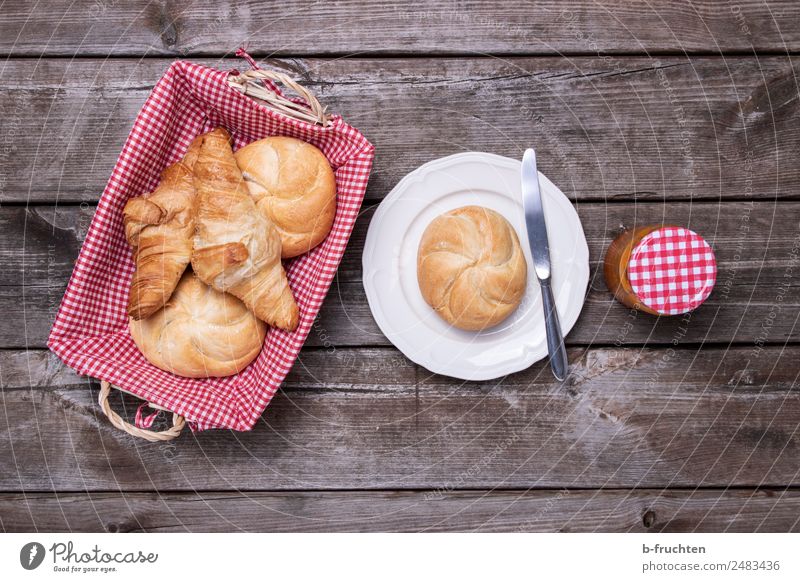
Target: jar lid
672	270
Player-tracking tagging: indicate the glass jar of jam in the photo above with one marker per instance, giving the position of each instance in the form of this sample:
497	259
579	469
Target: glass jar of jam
661	270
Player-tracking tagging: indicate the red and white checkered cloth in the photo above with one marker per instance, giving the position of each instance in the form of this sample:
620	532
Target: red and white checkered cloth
672	270
90	333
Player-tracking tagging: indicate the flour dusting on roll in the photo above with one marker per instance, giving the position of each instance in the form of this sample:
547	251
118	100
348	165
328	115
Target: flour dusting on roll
470	267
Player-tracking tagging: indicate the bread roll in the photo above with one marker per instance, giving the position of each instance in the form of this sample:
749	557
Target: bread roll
236	249
200	332
470	267
294	186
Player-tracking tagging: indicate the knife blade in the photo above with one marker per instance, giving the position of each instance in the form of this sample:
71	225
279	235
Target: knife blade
536	228
534	216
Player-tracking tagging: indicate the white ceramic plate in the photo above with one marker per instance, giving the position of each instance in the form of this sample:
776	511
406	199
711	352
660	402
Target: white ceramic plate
390	267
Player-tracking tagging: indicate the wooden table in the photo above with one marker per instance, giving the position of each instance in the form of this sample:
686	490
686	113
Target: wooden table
684	112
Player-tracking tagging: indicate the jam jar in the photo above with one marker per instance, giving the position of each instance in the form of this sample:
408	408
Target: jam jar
661	270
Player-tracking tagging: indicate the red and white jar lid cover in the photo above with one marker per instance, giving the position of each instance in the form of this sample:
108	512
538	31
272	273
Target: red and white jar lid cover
672	270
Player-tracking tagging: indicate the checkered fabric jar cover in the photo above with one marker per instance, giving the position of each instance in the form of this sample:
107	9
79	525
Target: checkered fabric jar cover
672	270
90	333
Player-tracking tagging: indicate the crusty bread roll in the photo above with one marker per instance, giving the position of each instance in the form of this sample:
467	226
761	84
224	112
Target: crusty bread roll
200	332
294	186
470	267
237	249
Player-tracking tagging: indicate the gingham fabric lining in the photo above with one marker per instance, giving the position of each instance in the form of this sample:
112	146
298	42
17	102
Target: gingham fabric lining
672	270
90	333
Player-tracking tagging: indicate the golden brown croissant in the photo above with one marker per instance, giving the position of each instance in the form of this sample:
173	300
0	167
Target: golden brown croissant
159	226
236	248
470	267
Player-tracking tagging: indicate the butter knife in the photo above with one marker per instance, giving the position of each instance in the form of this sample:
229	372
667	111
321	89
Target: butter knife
540	250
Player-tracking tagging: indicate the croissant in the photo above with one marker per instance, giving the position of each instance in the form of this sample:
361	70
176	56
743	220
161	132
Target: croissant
236	248
470	267
159	227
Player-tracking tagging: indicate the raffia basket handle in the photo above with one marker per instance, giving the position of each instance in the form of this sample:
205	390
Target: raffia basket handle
250	84
178	422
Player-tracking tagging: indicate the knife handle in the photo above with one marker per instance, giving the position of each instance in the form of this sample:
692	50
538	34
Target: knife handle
555	341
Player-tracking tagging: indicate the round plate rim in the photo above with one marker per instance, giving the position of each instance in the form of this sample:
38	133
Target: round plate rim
488	372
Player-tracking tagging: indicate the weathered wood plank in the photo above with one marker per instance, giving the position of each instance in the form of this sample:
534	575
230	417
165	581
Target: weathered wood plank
642	510
366	418
756	299
100	27
625	129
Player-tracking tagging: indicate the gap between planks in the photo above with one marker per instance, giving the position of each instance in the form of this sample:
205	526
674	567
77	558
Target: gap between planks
378	55
545	489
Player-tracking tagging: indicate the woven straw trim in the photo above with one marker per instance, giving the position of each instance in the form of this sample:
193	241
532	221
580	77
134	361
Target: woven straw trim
250	84
178	422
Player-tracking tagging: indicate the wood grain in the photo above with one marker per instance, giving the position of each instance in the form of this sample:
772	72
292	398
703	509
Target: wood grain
368	419
139	27
660	128
641	510
756	299
697	431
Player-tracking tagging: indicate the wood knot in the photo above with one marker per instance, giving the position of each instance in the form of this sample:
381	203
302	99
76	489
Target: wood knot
169	35
167	27
769	104
649	518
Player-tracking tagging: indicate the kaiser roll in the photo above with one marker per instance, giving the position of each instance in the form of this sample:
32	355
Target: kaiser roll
470	267
293	186
200	332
